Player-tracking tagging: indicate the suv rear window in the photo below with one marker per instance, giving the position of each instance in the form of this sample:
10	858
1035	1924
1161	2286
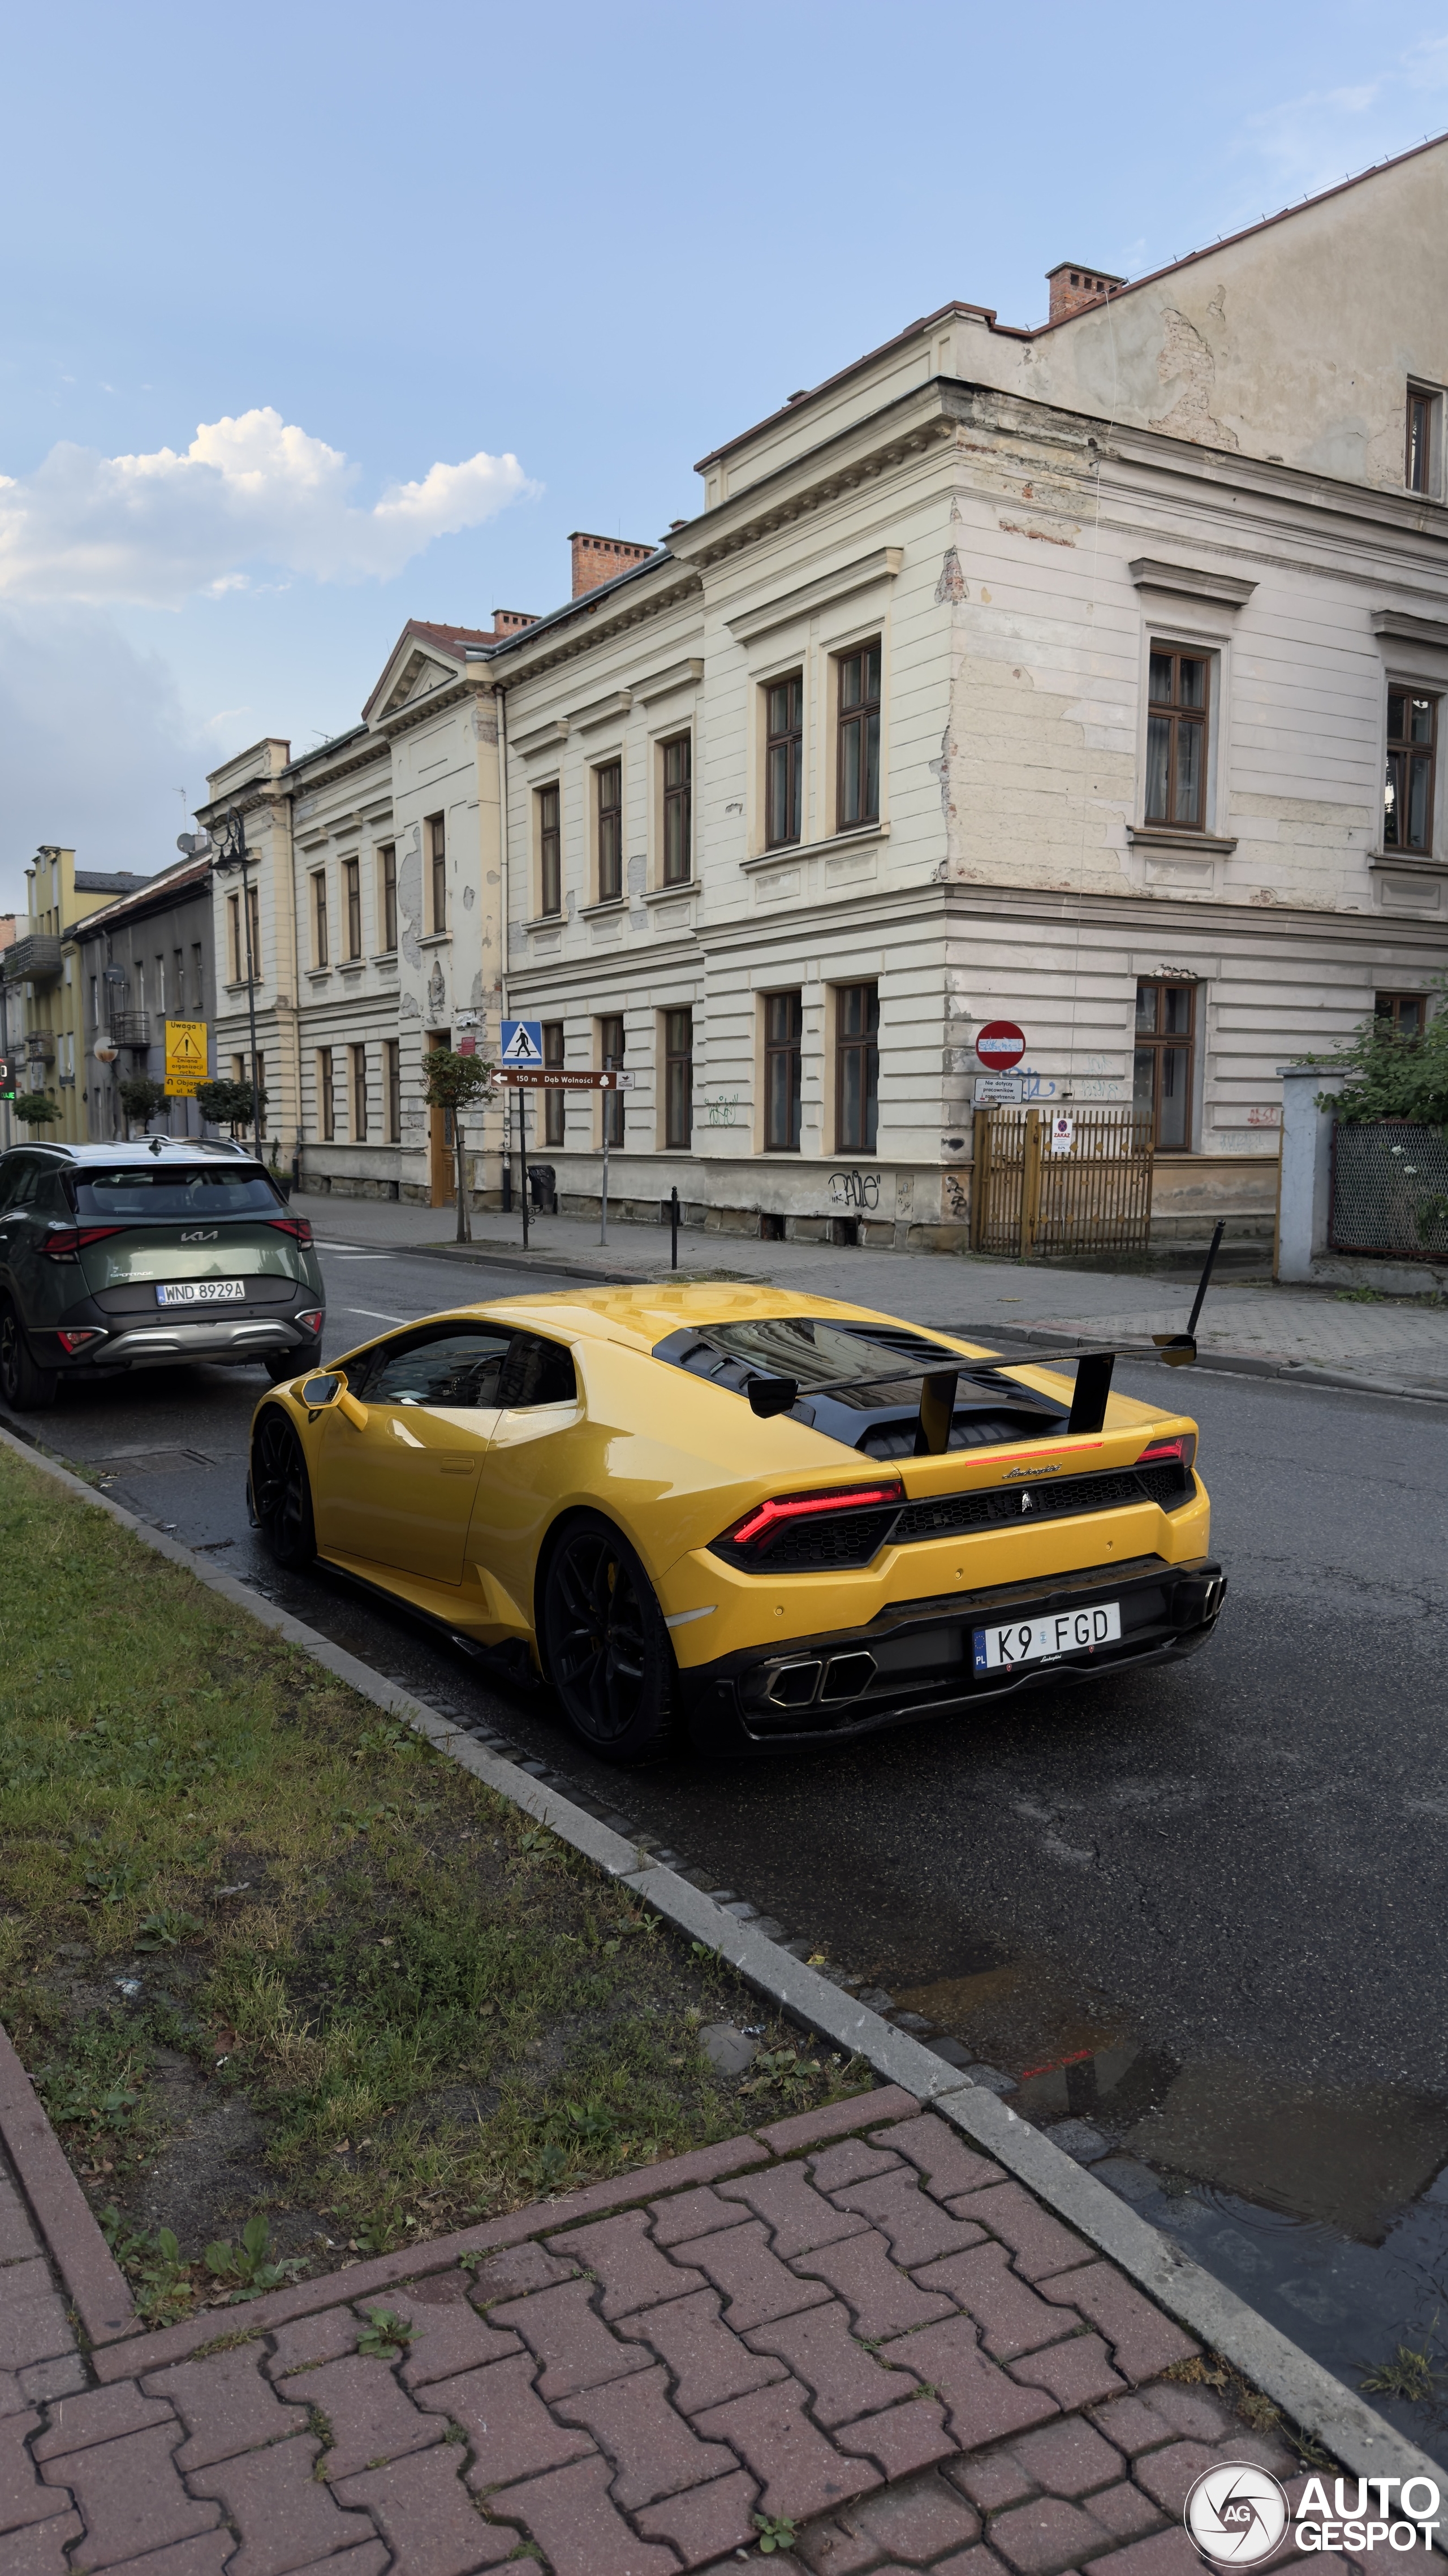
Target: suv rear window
166	1190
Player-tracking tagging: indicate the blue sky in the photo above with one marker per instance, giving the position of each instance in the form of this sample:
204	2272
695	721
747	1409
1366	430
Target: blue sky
324	317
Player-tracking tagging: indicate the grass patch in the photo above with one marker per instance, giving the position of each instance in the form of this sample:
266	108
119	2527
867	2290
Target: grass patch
291	1985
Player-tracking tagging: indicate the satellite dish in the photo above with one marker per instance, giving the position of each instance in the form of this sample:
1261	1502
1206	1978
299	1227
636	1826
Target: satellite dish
193	845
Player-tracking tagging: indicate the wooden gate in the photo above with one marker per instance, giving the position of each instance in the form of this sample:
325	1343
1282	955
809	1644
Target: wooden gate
1026	1201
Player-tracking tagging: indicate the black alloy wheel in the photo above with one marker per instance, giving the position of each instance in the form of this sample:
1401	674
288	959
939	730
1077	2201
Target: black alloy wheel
607	1649
24	1387
281	1492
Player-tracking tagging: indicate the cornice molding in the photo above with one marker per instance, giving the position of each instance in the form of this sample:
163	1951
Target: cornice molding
881	565
636	604
1191	582
678	675
601	711
543	737
1402	626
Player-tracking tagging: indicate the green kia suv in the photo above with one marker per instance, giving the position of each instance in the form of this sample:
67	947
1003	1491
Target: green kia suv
148	1256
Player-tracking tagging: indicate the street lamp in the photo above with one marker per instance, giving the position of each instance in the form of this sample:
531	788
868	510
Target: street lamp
228	851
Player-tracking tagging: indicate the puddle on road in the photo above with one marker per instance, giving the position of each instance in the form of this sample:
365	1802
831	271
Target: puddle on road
1326	2207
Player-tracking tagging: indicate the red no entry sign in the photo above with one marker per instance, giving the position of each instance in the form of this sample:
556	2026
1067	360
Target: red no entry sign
999	1045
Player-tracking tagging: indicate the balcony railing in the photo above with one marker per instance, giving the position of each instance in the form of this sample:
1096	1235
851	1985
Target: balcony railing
131	1028
36	957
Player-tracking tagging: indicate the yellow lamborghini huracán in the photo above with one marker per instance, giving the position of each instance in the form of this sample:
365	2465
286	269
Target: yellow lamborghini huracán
750	1517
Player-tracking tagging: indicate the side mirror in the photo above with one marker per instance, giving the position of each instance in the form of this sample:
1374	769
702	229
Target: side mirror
315	1392
771	1395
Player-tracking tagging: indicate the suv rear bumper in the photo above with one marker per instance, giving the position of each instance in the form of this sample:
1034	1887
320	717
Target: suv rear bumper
215	1338
915	1660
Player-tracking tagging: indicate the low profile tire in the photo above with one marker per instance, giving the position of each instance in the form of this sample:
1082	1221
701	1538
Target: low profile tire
297	1362
281	1492
606	1647
25	1388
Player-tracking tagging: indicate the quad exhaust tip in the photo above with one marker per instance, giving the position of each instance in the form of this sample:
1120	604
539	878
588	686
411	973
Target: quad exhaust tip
830	1681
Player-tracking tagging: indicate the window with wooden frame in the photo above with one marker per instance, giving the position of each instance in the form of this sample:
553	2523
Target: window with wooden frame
1420	459
387	896
783	1038
550	850
1162	1065
555	1103
1408	787
198	977
610	1055
678	1079
1405	1013
678	760
857	1068
235	967
392	1075
857	788
783	761
320	951
1178	696
352	904
608	792
357	1060
436	829
251	963
326	1097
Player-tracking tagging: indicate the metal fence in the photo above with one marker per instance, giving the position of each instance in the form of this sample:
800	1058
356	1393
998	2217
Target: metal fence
1390	1190
1026	1200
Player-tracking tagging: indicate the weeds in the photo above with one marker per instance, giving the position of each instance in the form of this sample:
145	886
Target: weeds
1409	2375
776	2531
386	2337
249	2265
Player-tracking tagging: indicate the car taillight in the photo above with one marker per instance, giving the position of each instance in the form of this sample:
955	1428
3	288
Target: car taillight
765	1517
1179	1451
313	1318
300	1226
66	1242
73	1338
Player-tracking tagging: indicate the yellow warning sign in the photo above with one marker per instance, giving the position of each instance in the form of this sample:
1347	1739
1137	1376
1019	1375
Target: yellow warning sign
185	1057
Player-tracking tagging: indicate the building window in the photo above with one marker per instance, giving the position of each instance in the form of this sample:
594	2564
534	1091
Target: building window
610	1052
235	966
321	955
1162	1065
357	1057
678	809
352	904
783	760
178	957
1419	462
198	977
783	1030
1176	739
678	1078
387	896
392	1076
1408	790
437	871
555	1106
95	1011
609	791
1405	1013
857	1068
858	791
550	851
326	1097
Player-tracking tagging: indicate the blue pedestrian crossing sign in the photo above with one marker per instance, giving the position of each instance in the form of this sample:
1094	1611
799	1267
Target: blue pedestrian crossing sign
523	1042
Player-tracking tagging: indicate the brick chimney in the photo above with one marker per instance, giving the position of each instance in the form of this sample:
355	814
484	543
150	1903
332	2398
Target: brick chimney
597	559
1074	287
511	621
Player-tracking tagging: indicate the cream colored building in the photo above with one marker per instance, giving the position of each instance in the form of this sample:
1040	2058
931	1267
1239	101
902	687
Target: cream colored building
1049	676
42	973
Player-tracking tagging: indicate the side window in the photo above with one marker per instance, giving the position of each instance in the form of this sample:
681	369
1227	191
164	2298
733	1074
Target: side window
21	1187
537	1372
446	1364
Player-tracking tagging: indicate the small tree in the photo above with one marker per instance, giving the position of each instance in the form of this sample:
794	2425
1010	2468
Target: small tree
1392	1076
227	1104
454	1083
35	1108
141	1098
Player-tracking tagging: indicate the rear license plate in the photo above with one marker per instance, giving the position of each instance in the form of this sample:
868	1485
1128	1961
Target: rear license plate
200	1292
1032	1641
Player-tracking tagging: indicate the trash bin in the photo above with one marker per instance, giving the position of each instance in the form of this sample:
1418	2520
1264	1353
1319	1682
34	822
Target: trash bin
543	1188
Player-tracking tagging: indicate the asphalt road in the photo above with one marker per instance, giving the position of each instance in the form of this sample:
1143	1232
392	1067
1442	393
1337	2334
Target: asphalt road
1197	1915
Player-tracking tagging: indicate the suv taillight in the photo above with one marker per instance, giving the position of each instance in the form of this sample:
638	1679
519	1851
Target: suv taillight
1179	1451
765	1517
66	1242
300	1226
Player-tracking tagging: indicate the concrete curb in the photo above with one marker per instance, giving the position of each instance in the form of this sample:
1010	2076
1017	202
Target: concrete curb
97	2286
1309	2394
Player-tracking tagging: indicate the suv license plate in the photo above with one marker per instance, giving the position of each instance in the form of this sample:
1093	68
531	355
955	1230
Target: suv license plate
200	1292
1032	1641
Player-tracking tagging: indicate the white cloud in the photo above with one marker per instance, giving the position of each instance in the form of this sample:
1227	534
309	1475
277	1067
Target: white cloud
253	491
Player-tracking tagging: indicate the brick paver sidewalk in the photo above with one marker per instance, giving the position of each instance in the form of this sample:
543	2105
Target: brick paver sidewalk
850	2320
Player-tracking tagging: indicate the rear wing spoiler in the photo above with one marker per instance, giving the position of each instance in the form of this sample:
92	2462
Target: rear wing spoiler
773	1395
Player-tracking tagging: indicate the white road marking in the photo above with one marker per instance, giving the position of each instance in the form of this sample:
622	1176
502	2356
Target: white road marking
375	1316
